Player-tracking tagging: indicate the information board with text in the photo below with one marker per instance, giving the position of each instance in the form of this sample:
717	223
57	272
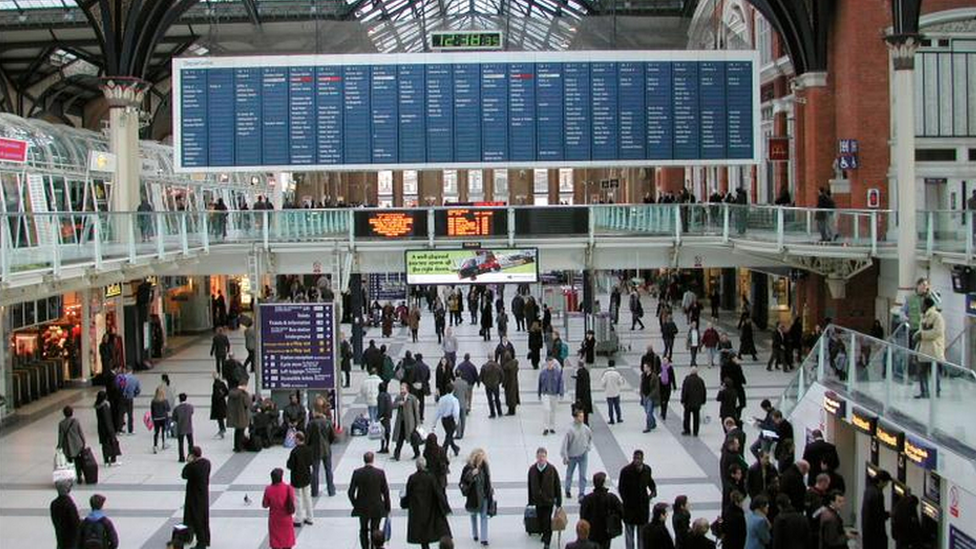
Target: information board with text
486	109
297	346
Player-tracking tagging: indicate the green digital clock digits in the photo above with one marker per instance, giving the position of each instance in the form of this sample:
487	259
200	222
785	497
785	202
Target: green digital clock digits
466	40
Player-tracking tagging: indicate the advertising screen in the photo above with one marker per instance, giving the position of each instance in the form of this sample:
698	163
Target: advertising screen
485	266
391	223
551	221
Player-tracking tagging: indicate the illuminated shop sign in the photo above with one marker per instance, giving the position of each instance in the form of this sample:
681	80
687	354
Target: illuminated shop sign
863	421
889	436
835	405
920	452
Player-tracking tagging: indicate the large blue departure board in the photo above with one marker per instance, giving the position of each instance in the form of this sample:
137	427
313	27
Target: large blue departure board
498	109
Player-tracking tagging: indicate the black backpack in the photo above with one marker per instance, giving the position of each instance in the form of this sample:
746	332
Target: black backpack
94	535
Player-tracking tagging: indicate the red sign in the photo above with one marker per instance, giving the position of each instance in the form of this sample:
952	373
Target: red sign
13	150
779	149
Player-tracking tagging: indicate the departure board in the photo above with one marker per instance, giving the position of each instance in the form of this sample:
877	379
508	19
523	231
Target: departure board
454	110
471	222
390	223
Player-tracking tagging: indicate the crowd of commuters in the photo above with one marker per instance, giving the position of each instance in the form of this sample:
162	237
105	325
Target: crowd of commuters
777	501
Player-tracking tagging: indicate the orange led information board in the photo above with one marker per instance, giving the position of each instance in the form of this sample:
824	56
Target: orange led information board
471	222
391	223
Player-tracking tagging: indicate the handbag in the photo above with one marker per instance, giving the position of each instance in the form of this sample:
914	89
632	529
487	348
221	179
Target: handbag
290	502
147	420
387	528
492	506
559	520
290	438
375	430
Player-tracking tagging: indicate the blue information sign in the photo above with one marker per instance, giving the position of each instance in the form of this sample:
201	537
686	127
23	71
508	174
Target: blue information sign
297	349
457	110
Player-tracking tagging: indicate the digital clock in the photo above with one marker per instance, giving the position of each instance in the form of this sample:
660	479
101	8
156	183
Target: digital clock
466	40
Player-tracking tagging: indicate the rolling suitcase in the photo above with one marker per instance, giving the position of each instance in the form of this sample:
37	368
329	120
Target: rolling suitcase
531	520
89	467
183	534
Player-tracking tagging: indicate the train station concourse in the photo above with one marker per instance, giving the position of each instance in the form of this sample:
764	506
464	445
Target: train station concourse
462	273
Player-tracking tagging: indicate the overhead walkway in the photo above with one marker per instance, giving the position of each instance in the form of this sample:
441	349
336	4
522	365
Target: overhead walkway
65	247
882	377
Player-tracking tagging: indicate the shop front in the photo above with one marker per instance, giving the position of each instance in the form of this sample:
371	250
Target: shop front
43	351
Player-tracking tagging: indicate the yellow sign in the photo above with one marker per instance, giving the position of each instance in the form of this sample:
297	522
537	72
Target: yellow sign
834	405
113	290
889	437
863	424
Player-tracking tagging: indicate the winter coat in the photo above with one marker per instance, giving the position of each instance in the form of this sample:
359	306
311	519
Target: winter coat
238	408
655	535
873	518
650	388
196	504
427	509
491	374
636	487
693	391
64	516
932	334
71	440
544	486
511	369
408	416
596	508
369	493
183	416
584	396
300	464
281	530
479	487
218	400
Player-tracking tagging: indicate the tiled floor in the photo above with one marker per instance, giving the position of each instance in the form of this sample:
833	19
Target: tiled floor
145	494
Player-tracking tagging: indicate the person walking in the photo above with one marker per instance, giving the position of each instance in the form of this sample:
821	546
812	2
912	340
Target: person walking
438	464
487	320
420	386
709	341
279	500
443	376
196	504
518	311
668	384
544	493
407	420
413	322
636	311
370	391
97	530
427	507
218	404
462	392
777	358
129	388
669	331
369	494
219	348
384	412
612	381
650	394
502	322
300	462
345	358
584	396
159	412
681	521
504	346
107	437
321	435
535	344
64	516
655	534
183	418
510	370
587	352
491	377
550	392
71	440
575	451
636	487
693	342
603	511
747	342
479	494
873	513
238	414
440	320
449	413
250	345
693	397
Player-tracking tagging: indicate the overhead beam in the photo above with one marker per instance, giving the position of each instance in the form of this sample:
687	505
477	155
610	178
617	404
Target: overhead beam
75	43
252	12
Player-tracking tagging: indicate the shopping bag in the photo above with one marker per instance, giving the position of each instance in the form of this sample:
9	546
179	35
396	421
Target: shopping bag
290	438
147	420
375	430
559	520
60	460
387	528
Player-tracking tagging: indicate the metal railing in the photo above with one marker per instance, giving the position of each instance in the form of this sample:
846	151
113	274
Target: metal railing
48	241
932	396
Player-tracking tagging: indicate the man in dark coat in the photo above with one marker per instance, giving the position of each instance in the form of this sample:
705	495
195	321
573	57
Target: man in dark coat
692	398
64	516
544	492
504	346
427	507
370	498
655	534
510	369
818	453
219	348
791	530
873	514
518	311
238	414
491	377
637	488
196	506
372	357
321	435
599	508
791	483
761	475
218	404
584	399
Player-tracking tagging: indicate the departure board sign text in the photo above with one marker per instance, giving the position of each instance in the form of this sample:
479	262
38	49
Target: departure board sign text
466	110
390	223
471	222
297	348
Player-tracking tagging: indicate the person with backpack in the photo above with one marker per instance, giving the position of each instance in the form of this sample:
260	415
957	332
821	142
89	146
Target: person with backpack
603	511
97	531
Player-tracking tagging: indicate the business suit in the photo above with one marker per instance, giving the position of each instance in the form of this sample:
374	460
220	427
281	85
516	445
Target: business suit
370	498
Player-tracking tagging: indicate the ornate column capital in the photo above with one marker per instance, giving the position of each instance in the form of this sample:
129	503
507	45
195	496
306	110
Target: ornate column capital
124	92
903	48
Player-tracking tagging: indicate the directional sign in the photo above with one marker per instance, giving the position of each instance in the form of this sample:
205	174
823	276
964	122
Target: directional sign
297	346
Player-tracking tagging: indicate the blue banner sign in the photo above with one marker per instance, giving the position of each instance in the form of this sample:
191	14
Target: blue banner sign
397	111
297	346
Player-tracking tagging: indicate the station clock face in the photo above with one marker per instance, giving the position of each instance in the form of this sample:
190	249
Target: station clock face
466	40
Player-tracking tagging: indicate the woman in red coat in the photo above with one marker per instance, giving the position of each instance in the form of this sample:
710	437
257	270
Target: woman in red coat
279	499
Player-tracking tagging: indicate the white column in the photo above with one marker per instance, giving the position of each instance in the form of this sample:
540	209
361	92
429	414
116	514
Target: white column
125	97
902	50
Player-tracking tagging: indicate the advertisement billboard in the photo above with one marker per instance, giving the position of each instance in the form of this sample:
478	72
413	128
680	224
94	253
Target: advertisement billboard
481	266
